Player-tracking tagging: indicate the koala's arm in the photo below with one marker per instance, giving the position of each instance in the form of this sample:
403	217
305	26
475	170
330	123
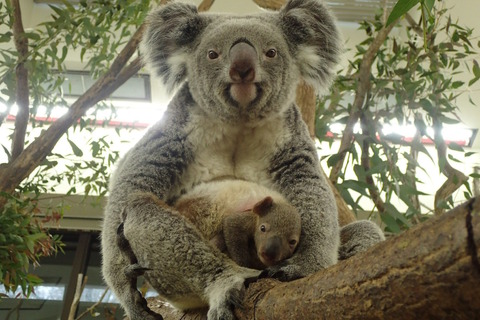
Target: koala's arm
358	236
147	169
295	171
237	231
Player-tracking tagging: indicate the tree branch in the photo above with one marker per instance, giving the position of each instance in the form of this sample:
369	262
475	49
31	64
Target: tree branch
205	5
21	74
81	283
365	162
96	304
363	76
270	4
431	271
17	170
412	170
455	178
306	101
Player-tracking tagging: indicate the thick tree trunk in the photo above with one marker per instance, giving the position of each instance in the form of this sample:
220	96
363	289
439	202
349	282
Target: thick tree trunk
429	272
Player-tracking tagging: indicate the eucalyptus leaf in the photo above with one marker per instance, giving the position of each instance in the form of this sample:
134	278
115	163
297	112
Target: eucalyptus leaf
401	8
76	150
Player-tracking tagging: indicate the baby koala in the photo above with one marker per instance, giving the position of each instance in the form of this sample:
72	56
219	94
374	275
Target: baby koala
256	227
261	237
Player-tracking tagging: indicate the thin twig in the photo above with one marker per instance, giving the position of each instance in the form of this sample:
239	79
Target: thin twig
270	4
94	305
411	173
365	161
455	178
205	5
81	282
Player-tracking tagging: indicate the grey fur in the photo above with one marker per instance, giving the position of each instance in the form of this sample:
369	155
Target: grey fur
210	131
358	236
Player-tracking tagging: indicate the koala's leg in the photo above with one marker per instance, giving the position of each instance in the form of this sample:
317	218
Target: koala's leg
183	267
118	273
357	237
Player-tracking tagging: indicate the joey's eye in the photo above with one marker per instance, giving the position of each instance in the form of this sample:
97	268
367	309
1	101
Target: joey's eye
263	228
212	55
271	53
292	242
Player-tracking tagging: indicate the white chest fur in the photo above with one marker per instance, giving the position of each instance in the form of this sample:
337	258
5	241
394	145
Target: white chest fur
232	151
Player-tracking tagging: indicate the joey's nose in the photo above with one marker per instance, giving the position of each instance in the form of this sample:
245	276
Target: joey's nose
243	57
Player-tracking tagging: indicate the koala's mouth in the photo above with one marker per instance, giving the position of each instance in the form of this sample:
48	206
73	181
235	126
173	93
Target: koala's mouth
243	94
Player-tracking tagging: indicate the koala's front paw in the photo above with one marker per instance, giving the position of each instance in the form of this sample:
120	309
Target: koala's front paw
139	310
224	310
283	272
145	315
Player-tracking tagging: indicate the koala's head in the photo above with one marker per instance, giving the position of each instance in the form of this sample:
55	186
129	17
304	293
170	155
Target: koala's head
243	67
277	230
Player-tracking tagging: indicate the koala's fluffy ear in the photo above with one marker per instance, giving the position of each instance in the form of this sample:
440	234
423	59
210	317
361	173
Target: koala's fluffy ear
313	38
171	32
263	206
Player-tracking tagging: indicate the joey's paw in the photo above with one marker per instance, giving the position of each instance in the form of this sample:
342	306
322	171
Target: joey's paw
285	272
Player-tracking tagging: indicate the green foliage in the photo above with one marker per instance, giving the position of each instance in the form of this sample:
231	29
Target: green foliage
23	240
94	31
413	83
403	6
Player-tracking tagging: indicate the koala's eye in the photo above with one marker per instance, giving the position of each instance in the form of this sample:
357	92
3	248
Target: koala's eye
271	53
263	228
292	242
212	55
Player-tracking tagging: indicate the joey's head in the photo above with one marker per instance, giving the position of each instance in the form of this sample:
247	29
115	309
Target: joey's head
277	233
243	68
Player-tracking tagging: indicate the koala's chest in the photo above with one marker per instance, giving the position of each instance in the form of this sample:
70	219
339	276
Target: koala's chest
238	152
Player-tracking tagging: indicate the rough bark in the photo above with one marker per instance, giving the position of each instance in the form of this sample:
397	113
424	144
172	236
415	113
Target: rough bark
431	271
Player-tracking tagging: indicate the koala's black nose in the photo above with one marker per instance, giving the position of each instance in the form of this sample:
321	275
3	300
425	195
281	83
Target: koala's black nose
243	57
272	249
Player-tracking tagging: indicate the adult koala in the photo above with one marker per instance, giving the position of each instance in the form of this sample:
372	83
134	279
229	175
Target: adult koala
234	116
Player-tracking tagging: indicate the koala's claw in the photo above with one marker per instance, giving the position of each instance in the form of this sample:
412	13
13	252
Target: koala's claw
146	315
135	270
233	299
282	273
141	310
249	281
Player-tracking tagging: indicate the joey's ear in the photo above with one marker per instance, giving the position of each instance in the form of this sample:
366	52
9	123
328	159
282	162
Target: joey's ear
171	33
313	38
263	206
